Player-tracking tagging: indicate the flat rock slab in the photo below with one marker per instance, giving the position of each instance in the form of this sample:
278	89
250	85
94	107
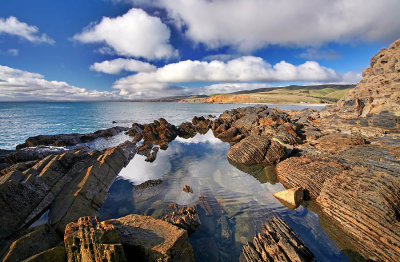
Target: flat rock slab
155	239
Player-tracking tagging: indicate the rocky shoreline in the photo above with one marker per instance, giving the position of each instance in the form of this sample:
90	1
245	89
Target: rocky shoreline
345	158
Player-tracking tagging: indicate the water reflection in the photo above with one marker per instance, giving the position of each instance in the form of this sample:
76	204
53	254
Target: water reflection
238	200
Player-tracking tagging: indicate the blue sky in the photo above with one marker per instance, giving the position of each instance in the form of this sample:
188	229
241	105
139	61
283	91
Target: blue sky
134	49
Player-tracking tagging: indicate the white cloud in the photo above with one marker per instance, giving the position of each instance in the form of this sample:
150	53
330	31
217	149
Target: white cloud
10	52
318	54
222	88
19	85
244	69
12	26
251	24
134	34
120	64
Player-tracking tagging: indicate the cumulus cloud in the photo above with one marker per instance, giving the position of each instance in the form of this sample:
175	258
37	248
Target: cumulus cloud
222	88
134	34
13	26
19	85
118	65
243	69
251	24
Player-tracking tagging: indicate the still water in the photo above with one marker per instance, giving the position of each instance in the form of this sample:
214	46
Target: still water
240	199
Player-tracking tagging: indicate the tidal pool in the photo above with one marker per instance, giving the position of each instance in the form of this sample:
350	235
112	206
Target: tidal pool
239	199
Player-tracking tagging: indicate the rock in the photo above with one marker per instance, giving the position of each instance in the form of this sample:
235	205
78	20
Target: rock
308	172
379	89
184	217
149	239
277	242
256	150
186	130
334	143
187	189
366	204
69	139
148	184
32	243
69	185
292	196
153	155
55	254
90	240
201	123
228	134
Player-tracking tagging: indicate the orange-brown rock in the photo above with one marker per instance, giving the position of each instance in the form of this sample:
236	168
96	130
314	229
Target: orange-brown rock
256	150
187	189
308	172
277	242
147	239
184	217
333	143
379	89
366	203
89	240
292	197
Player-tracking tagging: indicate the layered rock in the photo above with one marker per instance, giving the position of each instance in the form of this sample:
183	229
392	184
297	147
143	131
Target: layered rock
256	150
291	197
69	185
149	239
184	217
308	172
90	240
379	89
277	242
69	139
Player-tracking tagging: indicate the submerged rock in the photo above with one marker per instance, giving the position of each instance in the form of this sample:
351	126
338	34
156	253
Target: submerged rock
277	242
184	217
187	189
256	150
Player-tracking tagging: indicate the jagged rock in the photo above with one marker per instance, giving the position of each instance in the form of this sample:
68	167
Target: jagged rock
69	139
379	89
160	132
153	155
229	134
70	185
256	150
39	239
186	130
184	217
277	242
89	240
149	239
308	172
201	123
187	189
292	196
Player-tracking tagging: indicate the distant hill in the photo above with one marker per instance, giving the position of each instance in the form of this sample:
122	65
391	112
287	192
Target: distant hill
288	94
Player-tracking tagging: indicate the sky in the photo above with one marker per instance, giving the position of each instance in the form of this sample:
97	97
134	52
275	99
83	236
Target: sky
69	50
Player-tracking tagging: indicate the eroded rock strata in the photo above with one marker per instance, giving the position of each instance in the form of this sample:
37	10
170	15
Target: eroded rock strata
276	242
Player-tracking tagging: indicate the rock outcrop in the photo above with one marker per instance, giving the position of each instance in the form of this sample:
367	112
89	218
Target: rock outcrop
291	197
379	89
68	186
256	150
277	242
149	239
89	240
69	139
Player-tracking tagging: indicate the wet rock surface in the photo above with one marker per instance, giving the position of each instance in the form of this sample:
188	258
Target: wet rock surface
277	242
183	217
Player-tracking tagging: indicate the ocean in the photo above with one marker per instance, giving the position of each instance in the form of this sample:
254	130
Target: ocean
20	120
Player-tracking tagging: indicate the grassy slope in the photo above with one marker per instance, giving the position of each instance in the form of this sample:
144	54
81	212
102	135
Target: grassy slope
289	94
